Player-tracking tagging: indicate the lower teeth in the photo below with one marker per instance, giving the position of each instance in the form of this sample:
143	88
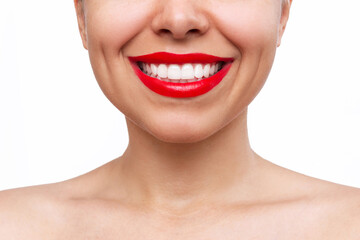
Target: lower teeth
177	81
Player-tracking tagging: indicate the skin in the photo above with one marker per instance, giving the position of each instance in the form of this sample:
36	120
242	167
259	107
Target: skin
189	171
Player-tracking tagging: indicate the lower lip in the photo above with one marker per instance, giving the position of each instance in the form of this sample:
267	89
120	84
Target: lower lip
181	90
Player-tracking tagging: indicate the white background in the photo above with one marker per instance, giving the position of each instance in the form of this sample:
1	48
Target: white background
55	123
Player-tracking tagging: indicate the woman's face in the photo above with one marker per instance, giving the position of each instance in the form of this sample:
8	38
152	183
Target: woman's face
248	31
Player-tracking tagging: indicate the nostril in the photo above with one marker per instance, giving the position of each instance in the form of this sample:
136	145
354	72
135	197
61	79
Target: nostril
194	31
164	31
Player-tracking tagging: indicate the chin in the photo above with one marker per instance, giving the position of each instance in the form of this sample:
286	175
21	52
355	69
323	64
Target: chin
180	131
180	137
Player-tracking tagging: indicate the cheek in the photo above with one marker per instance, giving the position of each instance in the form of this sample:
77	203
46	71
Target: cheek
110	26
250	25
113	23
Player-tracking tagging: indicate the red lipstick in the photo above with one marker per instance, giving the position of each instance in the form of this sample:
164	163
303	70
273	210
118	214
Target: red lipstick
180	90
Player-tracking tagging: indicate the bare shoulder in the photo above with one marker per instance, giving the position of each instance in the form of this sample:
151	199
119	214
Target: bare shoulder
29	212
343	208
335	206
333	209
49	210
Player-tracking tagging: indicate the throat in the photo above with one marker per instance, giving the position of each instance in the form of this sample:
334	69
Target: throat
160	173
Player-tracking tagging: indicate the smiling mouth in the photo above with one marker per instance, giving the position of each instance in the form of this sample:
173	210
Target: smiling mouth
180	75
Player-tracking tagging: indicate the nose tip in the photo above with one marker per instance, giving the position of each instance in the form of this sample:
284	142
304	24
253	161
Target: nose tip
179	20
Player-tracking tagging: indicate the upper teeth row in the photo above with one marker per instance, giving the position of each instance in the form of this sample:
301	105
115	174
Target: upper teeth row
178	72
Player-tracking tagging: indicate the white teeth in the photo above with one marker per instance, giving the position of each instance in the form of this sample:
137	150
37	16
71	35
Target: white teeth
162	71
217	67
212	69
180	73
187	71
153	69
147	69
142	66
174	71
207	70
199	72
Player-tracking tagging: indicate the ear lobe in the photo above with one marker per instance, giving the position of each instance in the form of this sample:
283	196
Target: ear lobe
285	10
81	21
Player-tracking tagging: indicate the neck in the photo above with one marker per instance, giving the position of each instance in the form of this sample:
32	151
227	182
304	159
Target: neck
161	173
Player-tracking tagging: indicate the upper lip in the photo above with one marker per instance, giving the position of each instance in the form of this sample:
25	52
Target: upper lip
166	57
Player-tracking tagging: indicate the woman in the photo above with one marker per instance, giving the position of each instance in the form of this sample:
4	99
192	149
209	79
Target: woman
183	74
